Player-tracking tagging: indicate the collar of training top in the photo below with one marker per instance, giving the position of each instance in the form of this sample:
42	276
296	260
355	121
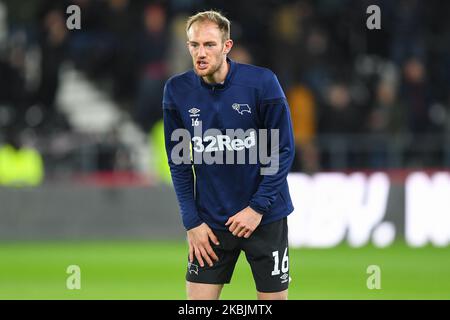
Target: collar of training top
227	79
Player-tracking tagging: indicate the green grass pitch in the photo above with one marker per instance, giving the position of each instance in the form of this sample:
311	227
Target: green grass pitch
155	270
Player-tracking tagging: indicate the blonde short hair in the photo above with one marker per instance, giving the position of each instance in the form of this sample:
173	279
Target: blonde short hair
214	16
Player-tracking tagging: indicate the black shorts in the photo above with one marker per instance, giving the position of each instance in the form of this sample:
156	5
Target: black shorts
266	251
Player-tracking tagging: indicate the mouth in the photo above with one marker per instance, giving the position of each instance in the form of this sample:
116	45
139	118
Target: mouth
202	65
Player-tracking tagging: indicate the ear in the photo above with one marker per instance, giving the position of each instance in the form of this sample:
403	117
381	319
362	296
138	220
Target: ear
227	46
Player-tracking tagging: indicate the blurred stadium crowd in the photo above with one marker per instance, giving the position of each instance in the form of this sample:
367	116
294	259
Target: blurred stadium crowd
360	99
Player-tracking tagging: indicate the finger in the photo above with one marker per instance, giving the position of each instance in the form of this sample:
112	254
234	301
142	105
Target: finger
233	226
211	253
248	234
242	232
199	257
213	237
205	255
191	254
238	230
230	220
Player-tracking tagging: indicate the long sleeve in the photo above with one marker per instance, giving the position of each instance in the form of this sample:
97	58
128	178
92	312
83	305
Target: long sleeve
274	113
182	174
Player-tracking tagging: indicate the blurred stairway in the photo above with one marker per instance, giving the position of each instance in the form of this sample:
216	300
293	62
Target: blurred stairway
90	110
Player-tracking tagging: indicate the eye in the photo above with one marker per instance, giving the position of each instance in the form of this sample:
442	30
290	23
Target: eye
194	45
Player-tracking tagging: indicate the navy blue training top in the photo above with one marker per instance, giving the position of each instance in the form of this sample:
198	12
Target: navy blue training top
250	99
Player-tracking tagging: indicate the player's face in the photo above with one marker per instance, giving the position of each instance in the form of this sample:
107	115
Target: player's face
207	48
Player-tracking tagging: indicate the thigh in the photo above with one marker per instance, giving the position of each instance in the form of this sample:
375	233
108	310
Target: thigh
221	272
268	255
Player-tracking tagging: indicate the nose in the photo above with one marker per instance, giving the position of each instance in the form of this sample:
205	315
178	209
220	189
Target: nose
201	52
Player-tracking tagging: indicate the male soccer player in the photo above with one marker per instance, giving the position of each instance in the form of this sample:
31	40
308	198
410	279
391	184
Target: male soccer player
227	206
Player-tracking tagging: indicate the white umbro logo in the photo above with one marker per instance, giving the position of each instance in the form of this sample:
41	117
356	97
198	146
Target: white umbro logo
284	278
194	112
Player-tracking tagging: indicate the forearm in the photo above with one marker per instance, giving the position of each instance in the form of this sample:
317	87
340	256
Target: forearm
183	182
180	168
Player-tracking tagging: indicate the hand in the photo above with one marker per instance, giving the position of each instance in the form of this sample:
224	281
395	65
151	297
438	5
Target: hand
244	223
198	240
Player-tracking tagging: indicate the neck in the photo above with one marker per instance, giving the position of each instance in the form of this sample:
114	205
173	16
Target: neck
218	76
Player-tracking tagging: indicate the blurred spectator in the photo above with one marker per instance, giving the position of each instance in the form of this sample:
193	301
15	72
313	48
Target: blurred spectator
386	123
415	93
288	25
152	52
388	114
19	166
178	58
120	25
407	30
340	121
339	114
303	113
52	43
93	48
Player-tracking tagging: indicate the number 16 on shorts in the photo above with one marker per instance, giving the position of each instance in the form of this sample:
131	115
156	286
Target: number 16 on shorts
284	264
